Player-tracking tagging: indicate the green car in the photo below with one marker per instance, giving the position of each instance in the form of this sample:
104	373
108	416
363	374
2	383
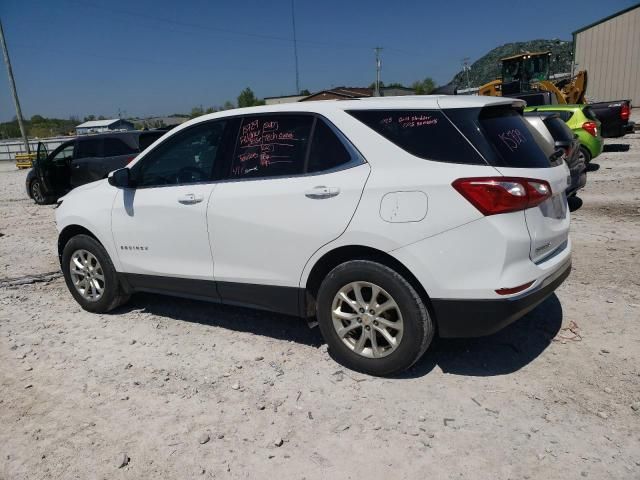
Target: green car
583	122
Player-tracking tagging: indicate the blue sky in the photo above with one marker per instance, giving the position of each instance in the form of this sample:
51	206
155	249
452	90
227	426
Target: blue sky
148	57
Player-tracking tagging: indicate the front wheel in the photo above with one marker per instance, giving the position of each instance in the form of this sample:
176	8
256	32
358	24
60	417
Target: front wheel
373	320
37	193
90	276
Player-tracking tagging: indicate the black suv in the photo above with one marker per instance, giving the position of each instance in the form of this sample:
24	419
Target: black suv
82	160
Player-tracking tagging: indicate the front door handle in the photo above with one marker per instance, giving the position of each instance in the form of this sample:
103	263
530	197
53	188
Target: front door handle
190	199
321	192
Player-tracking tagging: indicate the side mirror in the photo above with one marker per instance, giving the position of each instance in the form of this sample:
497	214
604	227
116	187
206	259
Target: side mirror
120	178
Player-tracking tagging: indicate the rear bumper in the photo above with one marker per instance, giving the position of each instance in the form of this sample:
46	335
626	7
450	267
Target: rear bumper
476	318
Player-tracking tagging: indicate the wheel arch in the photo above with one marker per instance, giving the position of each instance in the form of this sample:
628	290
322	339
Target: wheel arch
71	231
342	254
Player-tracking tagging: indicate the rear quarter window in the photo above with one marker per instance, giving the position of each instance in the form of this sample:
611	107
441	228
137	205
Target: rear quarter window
427	134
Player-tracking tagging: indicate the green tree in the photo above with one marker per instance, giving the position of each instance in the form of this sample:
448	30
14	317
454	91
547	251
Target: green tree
196	112
305	92
89	118
37	119
248	99
424	87
228	105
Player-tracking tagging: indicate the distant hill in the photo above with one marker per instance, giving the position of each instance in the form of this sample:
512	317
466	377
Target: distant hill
487	68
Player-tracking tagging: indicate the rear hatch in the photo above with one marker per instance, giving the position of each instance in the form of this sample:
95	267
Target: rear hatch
516	149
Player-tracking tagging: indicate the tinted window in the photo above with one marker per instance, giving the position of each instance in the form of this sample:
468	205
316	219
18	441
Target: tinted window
65	154
271	145
327	151
589	113
89	147
558	129
508	133
426	134
187	157
146	139
115	146
565	115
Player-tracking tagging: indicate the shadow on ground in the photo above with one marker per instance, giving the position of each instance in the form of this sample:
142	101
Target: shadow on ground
575	203
502	353
499	354
274	325
616	147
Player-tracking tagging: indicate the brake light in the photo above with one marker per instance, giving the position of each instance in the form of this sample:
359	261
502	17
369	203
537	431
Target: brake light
494	195
591	128
625	112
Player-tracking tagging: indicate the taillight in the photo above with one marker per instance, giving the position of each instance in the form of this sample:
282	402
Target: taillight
591	127
494	195
625	112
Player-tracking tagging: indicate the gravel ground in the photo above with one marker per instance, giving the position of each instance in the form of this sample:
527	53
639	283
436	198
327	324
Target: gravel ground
170	388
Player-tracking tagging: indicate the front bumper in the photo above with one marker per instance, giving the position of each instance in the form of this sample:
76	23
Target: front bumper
476	318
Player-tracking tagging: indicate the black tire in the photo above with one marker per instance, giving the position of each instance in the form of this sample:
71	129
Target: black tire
37	193
587	155
112	295
418	328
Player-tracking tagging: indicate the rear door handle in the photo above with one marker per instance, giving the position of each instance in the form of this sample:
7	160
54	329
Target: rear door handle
190	198
321	192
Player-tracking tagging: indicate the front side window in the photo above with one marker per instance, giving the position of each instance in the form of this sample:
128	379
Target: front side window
64	155
89	147
427	134
187	157
271	145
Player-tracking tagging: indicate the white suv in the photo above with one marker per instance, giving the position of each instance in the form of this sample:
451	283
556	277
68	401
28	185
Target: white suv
388	219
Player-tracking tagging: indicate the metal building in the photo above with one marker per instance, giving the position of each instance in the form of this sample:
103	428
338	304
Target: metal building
609	50
97	126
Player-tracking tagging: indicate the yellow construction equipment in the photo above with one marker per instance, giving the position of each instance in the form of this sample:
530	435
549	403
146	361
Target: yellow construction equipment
529	73
25	160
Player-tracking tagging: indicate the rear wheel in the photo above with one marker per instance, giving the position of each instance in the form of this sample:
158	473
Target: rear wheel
373	320
90	276
584	155
37	193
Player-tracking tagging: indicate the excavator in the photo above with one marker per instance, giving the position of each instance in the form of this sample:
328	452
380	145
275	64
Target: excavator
528	73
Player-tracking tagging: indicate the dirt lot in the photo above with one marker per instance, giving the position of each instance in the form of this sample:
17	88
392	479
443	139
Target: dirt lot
182	389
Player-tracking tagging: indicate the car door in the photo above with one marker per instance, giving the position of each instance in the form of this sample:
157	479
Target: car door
294	184
53	170
160	226
87	153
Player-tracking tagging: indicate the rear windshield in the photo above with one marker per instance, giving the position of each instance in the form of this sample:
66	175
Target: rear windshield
426	134
510	138
558	129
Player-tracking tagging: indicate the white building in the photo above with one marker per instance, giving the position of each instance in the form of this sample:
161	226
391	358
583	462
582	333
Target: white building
97	126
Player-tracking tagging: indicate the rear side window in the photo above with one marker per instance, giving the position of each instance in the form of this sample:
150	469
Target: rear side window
509	136
426	134
327	151
558	129
113	147
89	147
565	115
146	139
271	146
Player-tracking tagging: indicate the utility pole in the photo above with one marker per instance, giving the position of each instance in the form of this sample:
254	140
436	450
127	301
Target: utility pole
12	84
295	46
466	67
376	92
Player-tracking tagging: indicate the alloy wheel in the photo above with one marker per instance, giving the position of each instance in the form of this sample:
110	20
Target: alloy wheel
367	319
36	192
87	275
